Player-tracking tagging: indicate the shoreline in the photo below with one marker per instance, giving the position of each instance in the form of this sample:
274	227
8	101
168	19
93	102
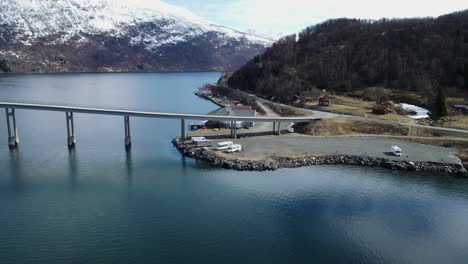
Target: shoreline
275	163
271	162
215	101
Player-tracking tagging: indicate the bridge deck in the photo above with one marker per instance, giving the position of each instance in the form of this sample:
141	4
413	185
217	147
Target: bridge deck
135	113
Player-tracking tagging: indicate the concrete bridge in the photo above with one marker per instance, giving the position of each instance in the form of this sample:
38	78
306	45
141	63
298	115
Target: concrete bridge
13	138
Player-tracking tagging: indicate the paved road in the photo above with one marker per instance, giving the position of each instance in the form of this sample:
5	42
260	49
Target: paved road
136	113
323	115
259	128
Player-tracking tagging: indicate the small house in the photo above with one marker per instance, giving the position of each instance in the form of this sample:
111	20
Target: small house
325	101
204	91
240	106
461	108
380	110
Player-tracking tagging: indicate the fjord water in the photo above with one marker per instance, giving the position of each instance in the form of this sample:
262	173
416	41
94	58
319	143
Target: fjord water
99	204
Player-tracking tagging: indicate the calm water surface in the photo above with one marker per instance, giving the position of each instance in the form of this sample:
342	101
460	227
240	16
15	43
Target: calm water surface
101	205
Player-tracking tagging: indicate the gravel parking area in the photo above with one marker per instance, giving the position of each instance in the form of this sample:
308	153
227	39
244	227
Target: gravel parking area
293	145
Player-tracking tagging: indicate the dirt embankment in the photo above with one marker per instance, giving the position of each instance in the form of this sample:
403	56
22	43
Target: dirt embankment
336	127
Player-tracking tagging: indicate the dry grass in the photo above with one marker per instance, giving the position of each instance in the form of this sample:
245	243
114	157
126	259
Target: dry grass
352	102
362	111
356	107
336	127
287	111
457	100
455	121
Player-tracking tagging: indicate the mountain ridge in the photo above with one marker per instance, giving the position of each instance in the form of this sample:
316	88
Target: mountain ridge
113	35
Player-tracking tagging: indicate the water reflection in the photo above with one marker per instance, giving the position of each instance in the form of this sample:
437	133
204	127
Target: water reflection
72	169
129	167
184	164
16	175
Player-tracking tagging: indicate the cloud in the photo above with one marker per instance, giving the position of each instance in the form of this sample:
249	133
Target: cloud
293	15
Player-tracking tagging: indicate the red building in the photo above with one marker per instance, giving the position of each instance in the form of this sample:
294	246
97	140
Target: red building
380	110
204	91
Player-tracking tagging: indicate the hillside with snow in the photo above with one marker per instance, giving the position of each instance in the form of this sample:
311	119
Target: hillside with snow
117	35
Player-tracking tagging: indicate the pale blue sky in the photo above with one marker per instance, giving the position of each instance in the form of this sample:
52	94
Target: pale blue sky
290	16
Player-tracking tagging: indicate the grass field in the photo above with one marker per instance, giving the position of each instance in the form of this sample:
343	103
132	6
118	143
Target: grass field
356	107
455	121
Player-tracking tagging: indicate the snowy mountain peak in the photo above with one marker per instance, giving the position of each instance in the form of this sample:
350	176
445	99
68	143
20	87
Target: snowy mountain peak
117	35
67	19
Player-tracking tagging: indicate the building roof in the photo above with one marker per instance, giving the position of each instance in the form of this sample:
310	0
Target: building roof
227	111
241	106
325	98
461	106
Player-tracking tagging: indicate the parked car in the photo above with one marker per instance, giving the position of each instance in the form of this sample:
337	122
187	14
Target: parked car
234	148
396	151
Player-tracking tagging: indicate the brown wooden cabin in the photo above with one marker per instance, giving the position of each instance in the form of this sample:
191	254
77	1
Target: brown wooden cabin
325	101
380	110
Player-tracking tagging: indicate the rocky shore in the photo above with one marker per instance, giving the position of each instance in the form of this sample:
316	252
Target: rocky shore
275	163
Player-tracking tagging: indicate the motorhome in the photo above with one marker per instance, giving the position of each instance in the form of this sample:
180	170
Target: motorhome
201	142
234	148
221	146
396	151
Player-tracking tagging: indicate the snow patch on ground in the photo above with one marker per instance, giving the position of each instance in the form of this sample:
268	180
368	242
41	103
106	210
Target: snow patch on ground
11	53
421	113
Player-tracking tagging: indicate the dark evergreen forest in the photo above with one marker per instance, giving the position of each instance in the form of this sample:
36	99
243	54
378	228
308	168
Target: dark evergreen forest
345	55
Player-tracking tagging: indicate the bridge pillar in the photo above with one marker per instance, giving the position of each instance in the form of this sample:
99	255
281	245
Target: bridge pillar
13	139
235	129
274	128
128	138
279	129
182	130
71	141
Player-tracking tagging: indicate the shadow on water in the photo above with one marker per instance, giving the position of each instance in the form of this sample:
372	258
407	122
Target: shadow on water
16	174
73	169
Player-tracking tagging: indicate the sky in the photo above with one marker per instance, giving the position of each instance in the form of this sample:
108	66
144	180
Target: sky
284	17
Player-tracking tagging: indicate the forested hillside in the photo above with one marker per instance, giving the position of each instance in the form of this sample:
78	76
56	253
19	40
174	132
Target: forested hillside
346	55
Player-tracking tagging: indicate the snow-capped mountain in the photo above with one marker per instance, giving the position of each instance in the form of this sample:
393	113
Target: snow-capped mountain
121	35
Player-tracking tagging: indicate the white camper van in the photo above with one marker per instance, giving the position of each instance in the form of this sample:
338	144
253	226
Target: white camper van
396	151
221	146
201	142
234	148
